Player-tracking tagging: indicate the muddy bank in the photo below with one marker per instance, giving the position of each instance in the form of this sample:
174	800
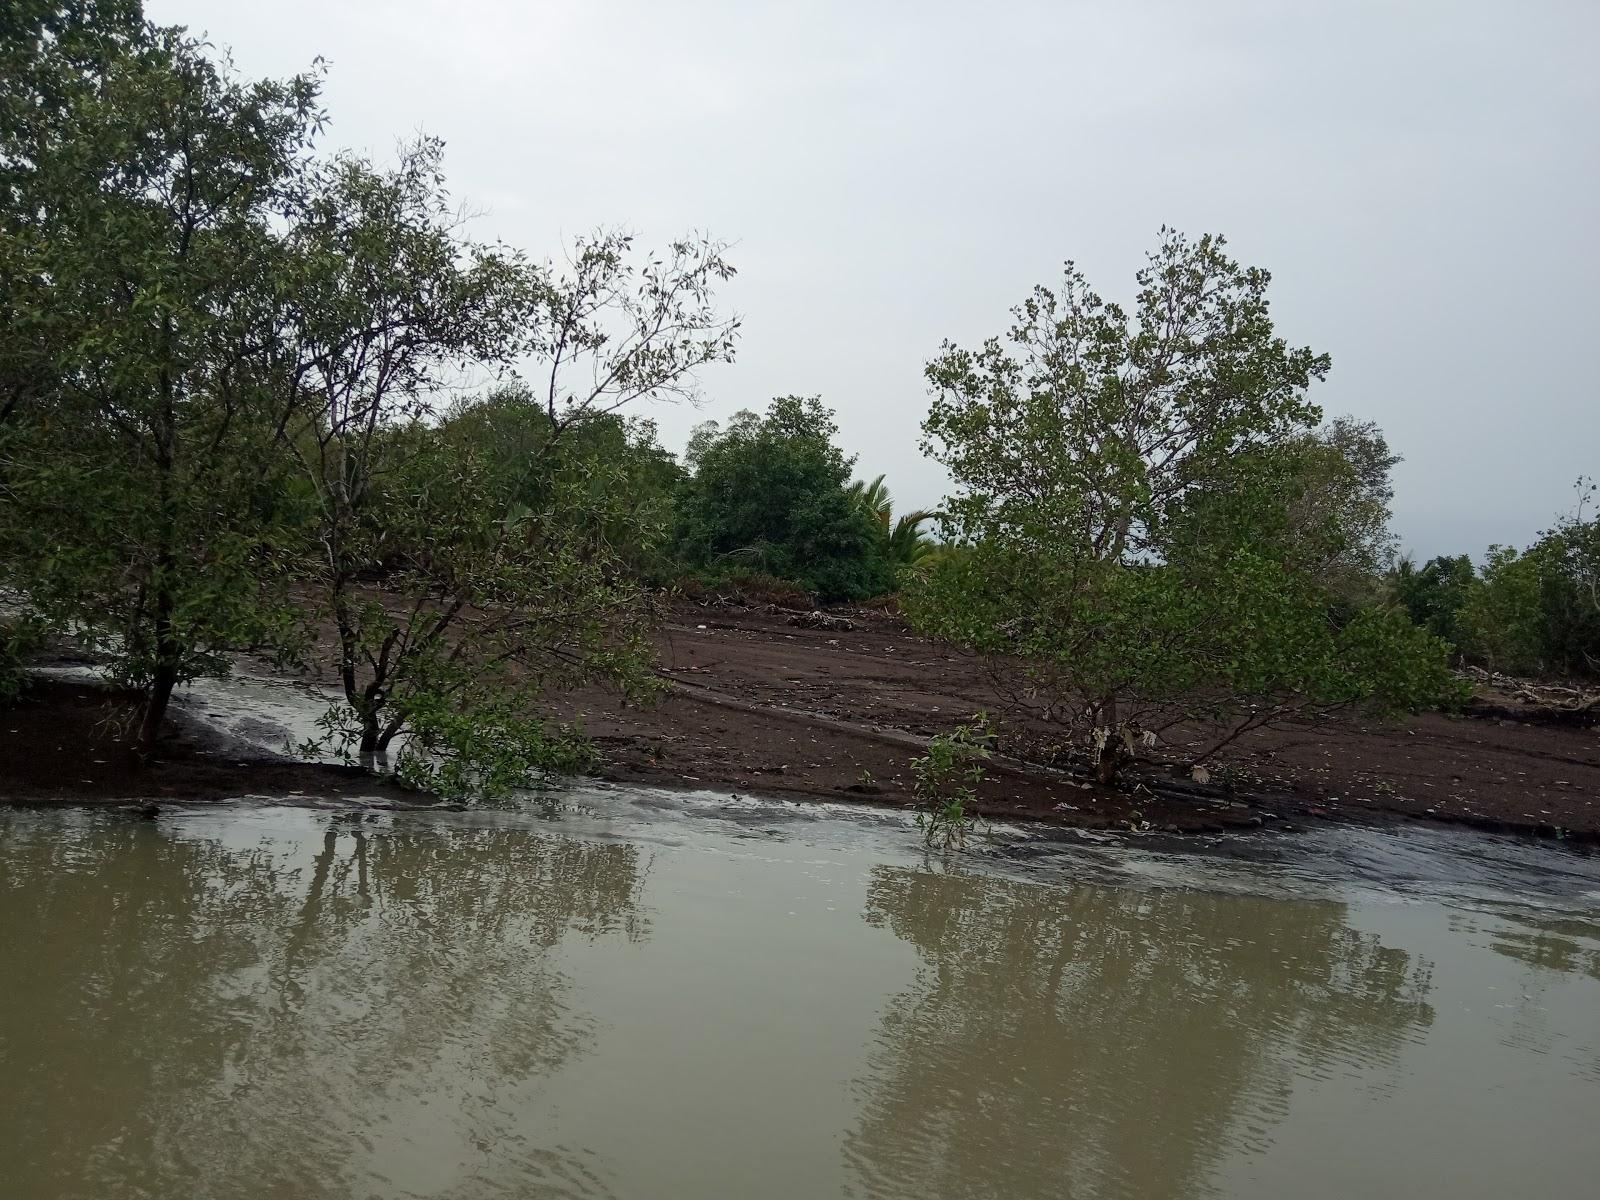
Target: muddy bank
758	705
66	741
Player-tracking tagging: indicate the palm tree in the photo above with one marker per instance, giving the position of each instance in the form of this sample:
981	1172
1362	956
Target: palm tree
874	500
904	542
908	545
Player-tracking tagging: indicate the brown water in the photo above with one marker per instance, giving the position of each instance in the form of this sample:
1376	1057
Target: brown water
735	1001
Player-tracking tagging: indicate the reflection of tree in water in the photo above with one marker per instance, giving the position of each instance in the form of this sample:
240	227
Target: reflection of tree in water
1558	950
197	1019
1092	1041
1564	945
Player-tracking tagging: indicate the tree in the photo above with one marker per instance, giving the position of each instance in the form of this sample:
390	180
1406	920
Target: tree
1130	494
612	467
141	285
1345	492
1571	596
770	493
1500	622
458	588
1433	594
904	543
1537	611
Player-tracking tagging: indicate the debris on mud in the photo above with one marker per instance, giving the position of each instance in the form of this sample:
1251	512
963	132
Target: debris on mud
816	619
1512	699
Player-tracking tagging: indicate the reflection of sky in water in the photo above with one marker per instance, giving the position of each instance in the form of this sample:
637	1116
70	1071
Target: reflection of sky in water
609	995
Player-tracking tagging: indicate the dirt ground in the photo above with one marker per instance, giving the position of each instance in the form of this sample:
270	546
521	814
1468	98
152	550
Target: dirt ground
759	705
756	705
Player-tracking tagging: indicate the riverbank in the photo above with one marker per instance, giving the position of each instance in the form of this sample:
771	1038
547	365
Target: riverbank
755	705
65	742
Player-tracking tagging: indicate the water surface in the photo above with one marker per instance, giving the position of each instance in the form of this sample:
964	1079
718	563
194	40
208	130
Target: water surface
635	996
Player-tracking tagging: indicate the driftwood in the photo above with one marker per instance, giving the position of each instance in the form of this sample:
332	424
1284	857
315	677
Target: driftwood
1513	699
821	620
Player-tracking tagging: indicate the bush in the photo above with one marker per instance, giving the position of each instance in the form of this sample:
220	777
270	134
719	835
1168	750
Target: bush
19	639
770	495
947	777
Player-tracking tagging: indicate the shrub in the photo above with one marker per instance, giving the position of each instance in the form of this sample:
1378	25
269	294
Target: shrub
769	494
19	638
946	781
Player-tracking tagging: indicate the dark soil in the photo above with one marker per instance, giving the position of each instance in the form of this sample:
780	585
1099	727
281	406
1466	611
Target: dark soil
759	705
67	742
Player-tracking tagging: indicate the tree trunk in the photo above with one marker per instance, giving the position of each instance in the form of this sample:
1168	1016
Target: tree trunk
394	726
1110	760
155	705
169	654
369	733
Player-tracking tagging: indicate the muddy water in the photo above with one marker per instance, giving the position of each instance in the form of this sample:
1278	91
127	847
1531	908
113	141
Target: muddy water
618	996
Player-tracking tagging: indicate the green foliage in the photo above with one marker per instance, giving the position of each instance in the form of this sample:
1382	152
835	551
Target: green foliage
946	780
770	493
1341	492
1092	427
1570	598
19	639
1537	611
479	751
507	535
901	539
486	752
484	603
1528	612
1145	517
908	545
223	372
1434	594
874	499
141	286
1235	640
612	468
1500	622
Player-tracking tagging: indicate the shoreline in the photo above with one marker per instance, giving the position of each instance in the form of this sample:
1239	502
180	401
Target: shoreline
758	704
59	751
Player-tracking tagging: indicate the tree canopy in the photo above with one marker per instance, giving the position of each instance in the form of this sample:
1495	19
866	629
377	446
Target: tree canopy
771	493
227	370
1144	508
141	295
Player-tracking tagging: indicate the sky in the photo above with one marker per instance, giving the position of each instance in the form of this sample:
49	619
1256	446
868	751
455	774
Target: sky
1422	178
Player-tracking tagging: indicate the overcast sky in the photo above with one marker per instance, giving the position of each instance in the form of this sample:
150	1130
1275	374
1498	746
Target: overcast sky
1422	178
